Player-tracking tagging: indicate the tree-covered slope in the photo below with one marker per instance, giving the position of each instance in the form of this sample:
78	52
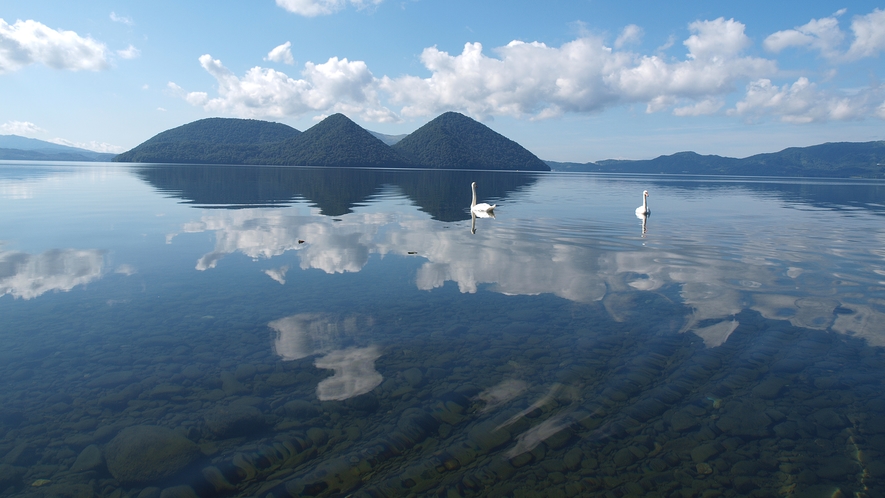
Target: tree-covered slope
837	160
334	141
210	141
454	140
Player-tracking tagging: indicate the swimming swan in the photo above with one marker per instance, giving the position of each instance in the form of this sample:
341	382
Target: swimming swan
643	210
482	207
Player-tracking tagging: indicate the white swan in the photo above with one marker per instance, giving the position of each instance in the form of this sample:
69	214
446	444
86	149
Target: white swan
643	209
481	208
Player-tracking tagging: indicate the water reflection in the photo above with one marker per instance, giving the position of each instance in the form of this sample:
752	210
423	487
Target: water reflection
355	373
28	276
714	283
335	191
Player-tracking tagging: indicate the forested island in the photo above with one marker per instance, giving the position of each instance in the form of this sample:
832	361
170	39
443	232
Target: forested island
451	141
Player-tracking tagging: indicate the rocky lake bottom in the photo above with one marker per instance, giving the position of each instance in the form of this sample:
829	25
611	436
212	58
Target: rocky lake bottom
370	371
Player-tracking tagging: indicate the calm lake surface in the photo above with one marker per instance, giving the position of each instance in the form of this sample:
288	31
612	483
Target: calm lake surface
248	331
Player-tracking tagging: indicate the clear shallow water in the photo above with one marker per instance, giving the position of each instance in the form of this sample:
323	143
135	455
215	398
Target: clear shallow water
231	331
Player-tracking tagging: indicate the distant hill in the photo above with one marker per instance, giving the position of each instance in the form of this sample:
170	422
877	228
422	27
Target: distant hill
388	139
838	160
451	141
14	147
210	141
454	140
334	141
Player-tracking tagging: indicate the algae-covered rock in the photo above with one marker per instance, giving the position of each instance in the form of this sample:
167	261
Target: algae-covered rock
144	454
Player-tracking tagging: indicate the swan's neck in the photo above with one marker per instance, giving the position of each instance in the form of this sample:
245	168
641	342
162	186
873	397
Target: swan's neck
473	202
645	203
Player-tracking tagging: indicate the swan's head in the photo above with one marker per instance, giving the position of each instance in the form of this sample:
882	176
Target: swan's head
645	193
473	184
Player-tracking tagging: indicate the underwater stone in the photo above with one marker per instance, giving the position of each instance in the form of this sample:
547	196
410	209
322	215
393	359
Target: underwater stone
10	476
90	459
143	454
179	492
300	409
413	377
22	455
235	420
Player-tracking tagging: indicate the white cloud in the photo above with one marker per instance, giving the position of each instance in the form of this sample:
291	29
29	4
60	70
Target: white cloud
337	85
312	8
537	81
825	36
129	52
93	145
580	76
869	35
804	102
121	19
282	53
702	108
30	42
23	128
819	34
630	34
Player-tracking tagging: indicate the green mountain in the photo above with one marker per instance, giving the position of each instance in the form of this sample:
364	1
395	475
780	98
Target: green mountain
210	141
453	140
838	160
14	147
334	141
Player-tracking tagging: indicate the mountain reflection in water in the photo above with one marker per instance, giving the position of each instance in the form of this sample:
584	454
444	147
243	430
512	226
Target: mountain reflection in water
310	332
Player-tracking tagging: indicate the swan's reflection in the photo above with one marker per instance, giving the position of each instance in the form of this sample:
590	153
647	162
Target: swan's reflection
355	373
28	276
644	218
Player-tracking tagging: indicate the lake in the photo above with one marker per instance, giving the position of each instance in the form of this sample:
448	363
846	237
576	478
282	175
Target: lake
254	331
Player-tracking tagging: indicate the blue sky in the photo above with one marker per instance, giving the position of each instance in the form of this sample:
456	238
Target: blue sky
569	80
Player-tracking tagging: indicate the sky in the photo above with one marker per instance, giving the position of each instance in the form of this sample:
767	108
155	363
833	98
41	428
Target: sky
578	81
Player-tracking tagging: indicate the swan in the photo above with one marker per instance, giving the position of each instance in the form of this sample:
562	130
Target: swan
643	210
481	208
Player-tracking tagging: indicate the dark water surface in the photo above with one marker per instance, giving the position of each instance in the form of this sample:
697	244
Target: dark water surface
228	331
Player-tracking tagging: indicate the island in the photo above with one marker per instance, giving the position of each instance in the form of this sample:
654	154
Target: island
450	141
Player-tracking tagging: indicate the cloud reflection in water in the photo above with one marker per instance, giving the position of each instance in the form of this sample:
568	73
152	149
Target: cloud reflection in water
28	276
715	282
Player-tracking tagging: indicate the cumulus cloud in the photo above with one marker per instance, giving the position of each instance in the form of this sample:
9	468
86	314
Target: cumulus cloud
629	35
869	35
580	76
825	36
337	85
281	53
129	52
803	102
536	81
313	8
23	128
30	42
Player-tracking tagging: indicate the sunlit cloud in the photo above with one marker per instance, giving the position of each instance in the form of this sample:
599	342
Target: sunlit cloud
826	37
281	53
30	42
23	128
803	102
313	8
533	80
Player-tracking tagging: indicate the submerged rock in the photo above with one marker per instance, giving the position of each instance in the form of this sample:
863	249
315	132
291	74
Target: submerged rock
144	454
235	420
